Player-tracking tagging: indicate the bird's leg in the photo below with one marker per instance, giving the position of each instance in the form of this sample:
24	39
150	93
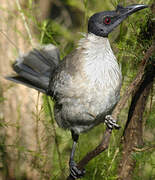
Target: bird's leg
74	171
111	122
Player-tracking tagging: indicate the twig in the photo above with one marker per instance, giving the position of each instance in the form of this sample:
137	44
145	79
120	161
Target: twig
37	124
14	45
115	155
143	149
51	112
25	23
100	148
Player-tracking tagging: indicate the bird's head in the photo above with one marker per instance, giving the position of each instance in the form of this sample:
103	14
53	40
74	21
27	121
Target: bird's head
102	23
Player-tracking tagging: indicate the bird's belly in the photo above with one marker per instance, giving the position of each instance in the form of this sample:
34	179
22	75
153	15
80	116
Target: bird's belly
102	102
82	113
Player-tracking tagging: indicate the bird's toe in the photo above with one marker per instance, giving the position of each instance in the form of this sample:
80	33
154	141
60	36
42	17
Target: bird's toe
75	172
111	122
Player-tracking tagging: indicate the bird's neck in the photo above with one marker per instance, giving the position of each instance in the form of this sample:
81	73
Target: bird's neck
95	45
100	64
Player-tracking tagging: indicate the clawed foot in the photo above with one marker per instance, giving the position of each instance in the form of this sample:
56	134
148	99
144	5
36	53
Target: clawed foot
75	172
111	122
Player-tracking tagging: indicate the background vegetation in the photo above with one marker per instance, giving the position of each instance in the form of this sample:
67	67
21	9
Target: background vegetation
32	146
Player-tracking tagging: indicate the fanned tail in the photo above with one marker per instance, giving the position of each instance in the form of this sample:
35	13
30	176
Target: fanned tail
35	68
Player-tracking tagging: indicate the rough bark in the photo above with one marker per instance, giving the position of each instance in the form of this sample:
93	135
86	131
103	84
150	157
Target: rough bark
133	133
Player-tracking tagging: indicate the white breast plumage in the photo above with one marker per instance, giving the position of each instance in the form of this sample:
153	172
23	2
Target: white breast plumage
100	64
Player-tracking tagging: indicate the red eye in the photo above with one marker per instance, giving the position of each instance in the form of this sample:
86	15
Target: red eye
107	20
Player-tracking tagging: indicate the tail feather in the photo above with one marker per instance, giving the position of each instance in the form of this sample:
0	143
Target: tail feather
35	68
25	82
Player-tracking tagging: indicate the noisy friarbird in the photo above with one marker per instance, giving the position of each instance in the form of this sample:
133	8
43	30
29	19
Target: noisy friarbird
86	84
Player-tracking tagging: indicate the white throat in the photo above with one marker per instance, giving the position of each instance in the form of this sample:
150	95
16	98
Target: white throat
100	64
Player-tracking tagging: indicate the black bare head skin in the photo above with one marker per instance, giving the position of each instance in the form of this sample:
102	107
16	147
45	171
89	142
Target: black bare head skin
102	23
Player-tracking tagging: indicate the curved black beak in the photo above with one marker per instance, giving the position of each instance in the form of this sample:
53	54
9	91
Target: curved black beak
124	12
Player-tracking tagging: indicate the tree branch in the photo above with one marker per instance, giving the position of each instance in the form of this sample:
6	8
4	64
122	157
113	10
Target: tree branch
133	132
100	148
90	155
135	82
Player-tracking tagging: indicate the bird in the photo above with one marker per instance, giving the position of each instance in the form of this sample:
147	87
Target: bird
85	85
